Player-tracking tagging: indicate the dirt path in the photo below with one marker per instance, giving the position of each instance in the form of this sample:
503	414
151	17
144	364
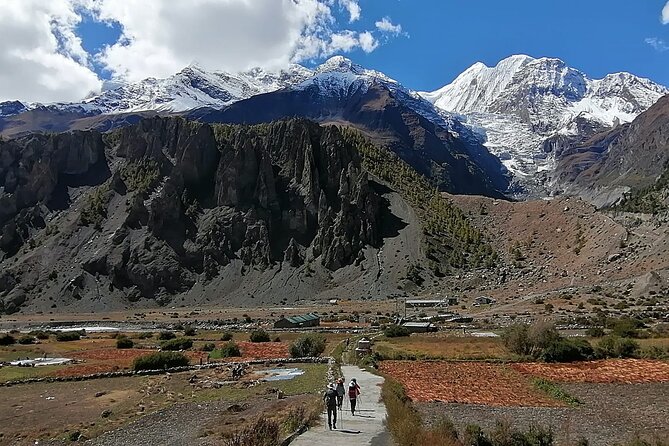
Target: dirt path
365	428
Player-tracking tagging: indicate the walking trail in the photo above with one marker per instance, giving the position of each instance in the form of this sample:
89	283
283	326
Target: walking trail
365	428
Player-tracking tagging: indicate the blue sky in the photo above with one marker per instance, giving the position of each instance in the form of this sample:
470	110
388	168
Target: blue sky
447	36
64	50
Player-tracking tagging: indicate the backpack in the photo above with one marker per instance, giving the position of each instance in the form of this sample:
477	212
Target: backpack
353	392
331	397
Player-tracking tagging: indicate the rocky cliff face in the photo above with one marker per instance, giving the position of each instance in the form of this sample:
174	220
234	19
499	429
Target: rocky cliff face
168	206
391	118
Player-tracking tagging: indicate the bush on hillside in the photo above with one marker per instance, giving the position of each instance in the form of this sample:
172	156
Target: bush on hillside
39	334
542	341
568	350
124	342
309	345
176	344
626	327
160	360
68	336
396	331
226	336
7	339
259	335
613	346
230	350
189	331
26	340
166	335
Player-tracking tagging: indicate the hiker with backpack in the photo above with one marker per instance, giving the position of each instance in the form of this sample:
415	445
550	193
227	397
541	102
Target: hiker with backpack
330	399
340	392
353	392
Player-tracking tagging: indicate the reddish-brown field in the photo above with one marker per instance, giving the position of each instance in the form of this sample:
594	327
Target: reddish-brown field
623	371
466	382
110	360
263	350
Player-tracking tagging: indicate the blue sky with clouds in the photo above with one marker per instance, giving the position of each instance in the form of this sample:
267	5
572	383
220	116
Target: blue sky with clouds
447	36
65	49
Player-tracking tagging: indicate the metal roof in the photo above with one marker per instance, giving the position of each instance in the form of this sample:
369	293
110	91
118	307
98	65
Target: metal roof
417	324
302	319
425	301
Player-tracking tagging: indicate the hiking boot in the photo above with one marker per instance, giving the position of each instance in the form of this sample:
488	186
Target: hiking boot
334	426
330	427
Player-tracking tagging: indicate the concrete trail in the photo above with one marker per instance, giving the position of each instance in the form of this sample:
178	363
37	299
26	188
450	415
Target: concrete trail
365	428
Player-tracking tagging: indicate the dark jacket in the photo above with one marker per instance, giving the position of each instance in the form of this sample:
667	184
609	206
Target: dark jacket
330	398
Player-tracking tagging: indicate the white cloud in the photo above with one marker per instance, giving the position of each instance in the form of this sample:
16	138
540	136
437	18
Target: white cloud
367	42
162	36
386	25
41	57
665	14
659	44
353	9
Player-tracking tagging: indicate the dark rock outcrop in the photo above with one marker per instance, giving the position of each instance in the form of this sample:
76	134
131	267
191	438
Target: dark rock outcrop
268	196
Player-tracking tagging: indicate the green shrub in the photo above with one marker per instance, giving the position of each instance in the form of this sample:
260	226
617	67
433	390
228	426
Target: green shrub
176	344
626	327
613	346
595	332
144	335
543	342
39	334
166	335
123	342
309	345
226	336
230	350
396	331
208	347
7	339
259	335
26	340
189	331
68	336
655	352
567	350
160	360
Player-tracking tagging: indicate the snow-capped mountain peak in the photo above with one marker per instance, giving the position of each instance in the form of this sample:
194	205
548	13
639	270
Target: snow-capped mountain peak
340	64
523	105
194	87
477	86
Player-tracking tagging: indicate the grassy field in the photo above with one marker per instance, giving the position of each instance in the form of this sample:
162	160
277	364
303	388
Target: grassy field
443	346
51	410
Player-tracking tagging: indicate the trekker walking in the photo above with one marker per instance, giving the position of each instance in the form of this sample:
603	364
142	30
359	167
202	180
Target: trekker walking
353	392
340	392
330	399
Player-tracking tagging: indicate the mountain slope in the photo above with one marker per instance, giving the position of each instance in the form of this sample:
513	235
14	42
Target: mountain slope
346	94
528	110
631	156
